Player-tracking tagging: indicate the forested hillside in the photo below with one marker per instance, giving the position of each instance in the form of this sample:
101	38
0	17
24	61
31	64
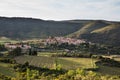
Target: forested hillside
24	28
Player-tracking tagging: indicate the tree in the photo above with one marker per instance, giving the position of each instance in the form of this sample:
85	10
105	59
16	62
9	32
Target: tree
16	51
2	47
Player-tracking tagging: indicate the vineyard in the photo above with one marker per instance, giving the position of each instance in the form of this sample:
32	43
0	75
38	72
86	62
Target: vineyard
66	63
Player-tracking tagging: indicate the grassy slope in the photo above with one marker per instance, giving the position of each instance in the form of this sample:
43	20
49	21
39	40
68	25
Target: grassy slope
99	32
106	28
81	31
107	35
88	28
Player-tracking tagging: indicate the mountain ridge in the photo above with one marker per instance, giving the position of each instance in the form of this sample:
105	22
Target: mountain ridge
98	31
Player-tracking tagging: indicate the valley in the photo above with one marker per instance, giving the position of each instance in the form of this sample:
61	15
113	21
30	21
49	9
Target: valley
59	50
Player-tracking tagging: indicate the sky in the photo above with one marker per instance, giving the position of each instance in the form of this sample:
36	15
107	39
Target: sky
62	9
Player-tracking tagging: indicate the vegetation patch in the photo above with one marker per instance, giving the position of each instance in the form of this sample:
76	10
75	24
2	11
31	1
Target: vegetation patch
108	62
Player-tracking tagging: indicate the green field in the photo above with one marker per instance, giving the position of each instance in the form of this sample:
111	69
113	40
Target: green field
47	53
6	70
84	62
4	39
76	62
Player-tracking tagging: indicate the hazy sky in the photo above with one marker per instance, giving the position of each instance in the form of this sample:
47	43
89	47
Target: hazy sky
62	9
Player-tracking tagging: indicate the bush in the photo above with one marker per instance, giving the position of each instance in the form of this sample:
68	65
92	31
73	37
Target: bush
81	55
97	57
108	62
7	60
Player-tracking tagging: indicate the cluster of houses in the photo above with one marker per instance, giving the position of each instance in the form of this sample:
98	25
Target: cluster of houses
13	46
24	47
61	40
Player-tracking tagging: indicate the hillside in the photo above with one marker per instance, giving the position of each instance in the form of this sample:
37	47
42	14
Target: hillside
103	32
24	28
99	31
109	34
87	28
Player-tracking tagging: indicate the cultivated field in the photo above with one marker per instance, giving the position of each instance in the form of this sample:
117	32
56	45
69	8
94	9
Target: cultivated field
4	39
44	60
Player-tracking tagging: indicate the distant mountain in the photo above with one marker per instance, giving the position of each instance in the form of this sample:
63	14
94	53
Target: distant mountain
99	31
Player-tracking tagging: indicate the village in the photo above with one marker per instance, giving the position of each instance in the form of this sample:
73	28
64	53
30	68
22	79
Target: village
61	40
26	46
